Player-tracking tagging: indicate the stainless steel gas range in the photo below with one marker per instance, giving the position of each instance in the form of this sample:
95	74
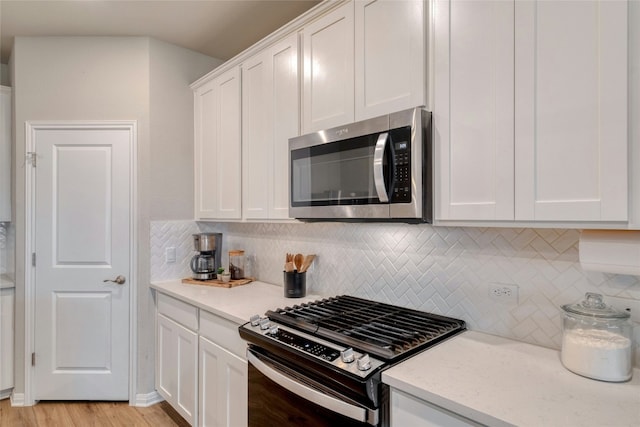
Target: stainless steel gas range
320	363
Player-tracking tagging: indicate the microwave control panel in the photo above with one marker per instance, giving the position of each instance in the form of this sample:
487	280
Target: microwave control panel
401	149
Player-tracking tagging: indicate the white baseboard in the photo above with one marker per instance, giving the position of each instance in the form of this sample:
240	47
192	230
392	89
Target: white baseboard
144	400
17	399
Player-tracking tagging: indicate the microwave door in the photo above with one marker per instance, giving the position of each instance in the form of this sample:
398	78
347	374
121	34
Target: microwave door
378	167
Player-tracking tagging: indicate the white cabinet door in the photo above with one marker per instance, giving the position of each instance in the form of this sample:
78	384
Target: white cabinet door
328	88
270	117
390	56
407	410
285	108
218	148
256	137
223	387
6	338
571	110
473	109
176	367
5	154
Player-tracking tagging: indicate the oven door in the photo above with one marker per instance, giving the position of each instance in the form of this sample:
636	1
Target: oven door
283	397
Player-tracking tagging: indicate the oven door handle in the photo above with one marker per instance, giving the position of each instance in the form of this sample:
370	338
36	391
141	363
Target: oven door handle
328	402
378	167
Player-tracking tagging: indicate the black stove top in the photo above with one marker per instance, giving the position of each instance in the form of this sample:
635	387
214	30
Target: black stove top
387	331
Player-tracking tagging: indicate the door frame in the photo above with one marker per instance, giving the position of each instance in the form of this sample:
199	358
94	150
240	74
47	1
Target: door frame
29	292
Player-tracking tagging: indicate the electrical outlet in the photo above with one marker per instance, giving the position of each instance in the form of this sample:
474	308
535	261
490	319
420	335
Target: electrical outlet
170	255
632	305
504	292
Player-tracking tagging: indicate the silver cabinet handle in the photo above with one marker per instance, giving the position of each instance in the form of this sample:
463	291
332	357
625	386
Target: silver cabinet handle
119	280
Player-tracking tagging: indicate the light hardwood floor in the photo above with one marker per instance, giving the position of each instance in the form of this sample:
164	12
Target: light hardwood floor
88	414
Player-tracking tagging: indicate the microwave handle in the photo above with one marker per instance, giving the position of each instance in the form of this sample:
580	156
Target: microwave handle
378	170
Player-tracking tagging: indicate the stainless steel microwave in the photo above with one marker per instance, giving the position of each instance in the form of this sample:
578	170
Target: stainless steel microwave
379	169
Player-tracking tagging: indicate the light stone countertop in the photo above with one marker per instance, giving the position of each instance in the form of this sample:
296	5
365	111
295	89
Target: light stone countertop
236	304
498	382
6	281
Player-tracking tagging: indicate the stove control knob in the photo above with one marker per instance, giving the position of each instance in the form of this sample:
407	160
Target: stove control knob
347	355
264	324
255	320
273	330
364	363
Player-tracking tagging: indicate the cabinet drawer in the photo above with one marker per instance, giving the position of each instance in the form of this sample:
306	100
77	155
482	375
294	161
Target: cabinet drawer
222	332
181	312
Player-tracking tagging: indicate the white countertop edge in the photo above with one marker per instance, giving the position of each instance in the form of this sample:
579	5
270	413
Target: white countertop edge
231	303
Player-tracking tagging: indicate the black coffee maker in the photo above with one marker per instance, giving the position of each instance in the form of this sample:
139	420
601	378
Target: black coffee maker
205	264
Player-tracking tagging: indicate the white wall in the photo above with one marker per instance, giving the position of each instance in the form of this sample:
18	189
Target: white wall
172	69
107	78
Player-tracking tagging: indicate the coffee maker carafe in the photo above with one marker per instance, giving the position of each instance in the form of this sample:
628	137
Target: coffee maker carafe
207	261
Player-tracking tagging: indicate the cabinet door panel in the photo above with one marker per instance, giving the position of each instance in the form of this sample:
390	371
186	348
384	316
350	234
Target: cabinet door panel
390	53
5	154
571	104
257	138
473	109
285	107
270	117
205	151
6	338
329	70
223	387
177	358
228	159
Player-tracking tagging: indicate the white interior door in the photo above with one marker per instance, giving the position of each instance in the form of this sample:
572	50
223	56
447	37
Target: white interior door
81	239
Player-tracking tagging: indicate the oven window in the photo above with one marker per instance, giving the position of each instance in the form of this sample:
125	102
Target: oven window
273	405
334	174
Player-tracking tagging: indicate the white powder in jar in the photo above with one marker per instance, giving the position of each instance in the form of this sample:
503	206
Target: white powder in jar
598	354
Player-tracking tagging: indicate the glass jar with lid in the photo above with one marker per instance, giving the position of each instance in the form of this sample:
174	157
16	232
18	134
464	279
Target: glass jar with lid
236	264
597	340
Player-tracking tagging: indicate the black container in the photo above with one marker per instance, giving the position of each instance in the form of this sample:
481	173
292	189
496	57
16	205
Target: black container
295	284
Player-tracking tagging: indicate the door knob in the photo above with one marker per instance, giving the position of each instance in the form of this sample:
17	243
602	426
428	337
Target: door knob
119	280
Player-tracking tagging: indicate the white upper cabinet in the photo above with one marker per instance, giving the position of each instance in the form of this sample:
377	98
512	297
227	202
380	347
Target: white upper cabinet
571	110
390	52
218	147
473	109
328	88
5	154
530	110
270	116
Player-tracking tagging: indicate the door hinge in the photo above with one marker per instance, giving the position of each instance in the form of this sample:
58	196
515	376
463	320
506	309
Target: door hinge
31	158
33	359
33	259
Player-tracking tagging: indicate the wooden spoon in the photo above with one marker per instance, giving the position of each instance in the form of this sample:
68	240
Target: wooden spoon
307	263
297	261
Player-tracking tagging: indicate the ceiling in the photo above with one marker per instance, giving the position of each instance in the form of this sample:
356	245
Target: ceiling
218	28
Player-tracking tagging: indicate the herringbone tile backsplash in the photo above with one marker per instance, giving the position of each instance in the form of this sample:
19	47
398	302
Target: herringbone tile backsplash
445	270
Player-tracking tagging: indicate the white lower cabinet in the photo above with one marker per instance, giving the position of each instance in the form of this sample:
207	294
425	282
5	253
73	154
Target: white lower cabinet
201	367
407	410
223	387
176	364
6	341
223	373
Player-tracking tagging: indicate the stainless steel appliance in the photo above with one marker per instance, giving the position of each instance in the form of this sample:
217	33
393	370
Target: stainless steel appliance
320	363
204	265
379	169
